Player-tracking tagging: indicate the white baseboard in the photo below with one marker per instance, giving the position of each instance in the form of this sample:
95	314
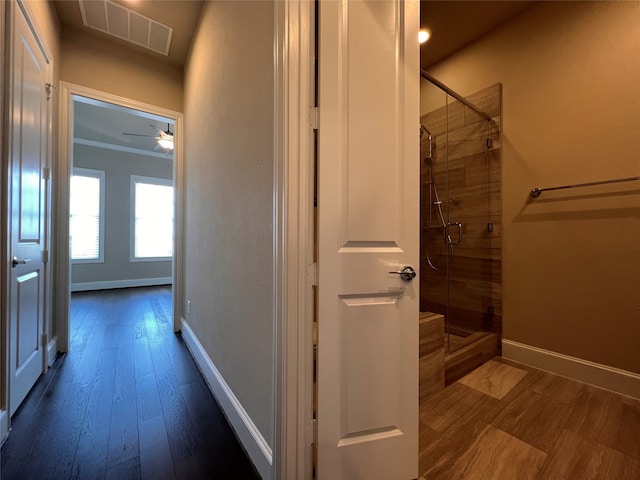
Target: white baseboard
52	350
133	282
603	376
4	426
252	440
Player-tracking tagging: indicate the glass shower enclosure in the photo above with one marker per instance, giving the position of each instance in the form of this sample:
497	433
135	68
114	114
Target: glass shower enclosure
460	195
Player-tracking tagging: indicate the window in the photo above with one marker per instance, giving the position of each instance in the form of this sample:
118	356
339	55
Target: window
152	219
86	222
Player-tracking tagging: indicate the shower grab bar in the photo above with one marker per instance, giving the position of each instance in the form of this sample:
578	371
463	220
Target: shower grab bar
535	193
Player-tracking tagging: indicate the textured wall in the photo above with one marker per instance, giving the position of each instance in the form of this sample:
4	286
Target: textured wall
229	87
571	113
118	168
110	68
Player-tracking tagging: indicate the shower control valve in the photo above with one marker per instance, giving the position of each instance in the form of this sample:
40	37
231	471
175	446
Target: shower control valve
407	273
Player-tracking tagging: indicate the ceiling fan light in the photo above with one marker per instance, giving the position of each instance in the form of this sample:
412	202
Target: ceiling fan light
166	143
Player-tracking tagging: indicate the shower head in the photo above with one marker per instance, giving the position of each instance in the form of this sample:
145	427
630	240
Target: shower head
429	152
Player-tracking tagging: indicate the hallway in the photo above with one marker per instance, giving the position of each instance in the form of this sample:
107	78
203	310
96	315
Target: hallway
126	402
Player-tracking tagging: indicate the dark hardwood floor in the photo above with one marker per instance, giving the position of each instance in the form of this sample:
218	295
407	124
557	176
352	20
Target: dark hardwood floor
126	402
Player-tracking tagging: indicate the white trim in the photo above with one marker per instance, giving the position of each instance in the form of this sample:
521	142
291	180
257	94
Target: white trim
293	242
4	426
603	376
130	283
254	443
52	350
5	11
61	213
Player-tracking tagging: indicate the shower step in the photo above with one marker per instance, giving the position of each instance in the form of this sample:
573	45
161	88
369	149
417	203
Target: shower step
431	332
480	348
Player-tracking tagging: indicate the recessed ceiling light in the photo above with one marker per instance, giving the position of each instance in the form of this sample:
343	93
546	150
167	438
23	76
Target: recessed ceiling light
424	35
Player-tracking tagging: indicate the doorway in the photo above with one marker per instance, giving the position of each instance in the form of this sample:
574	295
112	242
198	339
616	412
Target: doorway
119	166
77	151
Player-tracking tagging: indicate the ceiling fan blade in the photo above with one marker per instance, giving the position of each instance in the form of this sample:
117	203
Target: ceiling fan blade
164	133
138	135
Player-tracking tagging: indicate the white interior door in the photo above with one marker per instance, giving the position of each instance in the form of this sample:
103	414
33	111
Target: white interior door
28	126
368	207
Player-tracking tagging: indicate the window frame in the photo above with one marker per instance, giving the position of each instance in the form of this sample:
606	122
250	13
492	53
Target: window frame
166	182
100	175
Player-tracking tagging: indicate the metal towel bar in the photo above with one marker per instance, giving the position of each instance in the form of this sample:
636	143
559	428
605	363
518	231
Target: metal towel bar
535	193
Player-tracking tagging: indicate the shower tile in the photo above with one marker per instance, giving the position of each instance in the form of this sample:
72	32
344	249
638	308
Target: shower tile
494	378
431	354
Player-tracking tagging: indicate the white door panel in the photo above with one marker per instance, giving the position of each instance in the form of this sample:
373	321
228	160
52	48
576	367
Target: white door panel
27	209
368	207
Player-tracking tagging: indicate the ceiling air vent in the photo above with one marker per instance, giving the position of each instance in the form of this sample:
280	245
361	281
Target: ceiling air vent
121	22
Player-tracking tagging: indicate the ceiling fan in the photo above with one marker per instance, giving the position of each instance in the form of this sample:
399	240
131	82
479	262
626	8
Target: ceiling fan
164	137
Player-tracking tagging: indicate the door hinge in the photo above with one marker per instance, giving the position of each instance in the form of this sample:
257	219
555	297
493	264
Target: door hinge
45	339
312	274
45	256
313	117
46	173
312	432
48	88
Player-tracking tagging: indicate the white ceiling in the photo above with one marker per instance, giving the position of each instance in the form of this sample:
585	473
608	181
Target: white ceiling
453	24
104	125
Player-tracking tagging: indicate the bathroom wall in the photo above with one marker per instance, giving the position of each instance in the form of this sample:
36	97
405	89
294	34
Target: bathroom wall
571	113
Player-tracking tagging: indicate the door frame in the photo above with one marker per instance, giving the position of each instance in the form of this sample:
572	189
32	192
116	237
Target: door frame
4	153
8	10
293	238
62	265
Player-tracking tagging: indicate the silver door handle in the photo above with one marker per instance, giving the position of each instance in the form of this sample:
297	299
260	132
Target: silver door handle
407	273
19	261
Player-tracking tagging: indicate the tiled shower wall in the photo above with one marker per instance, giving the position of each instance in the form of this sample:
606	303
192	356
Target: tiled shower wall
467	175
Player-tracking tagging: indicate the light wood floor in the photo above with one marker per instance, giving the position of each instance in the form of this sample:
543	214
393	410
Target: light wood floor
506	421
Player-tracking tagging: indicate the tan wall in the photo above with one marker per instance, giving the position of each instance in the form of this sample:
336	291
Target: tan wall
108	67
229	87
571	113
48	24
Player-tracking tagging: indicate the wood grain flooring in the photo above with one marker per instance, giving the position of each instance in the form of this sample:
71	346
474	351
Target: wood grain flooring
510	421
126	402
